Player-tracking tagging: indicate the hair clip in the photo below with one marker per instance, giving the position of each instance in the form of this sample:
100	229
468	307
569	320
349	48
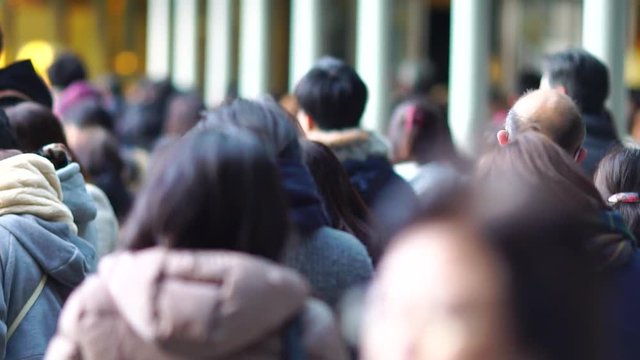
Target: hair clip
624	197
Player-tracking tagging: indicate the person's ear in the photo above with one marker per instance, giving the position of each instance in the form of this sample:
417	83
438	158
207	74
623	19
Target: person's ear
306	122
581	154
503	137
561	89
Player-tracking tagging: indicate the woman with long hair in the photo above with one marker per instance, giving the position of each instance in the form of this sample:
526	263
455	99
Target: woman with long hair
199	277
333	261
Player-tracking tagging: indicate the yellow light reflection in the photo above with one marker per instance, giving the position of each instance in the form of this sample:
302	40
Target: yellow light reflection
126	63
41	54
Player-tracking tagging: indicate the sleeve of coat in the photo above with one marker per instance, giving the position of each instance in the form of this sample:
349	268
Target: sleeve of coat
5	248
322	339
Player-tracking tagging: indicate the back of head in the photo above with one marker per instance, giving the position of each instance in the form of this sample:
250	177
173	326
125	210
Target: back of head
419	131
66	69
332	94
619	173
35	126
552	114
214	189
89	112
556	292
265	119
183	113
583	76
533	160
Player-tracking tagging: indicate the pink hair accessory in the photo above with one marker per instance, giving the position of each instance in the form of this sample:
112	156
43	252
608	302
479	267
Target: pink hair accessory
624	197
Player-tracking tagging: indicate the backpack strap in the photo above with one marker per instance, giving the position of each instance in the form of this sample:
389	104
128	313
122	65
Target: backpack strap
27	306
292	339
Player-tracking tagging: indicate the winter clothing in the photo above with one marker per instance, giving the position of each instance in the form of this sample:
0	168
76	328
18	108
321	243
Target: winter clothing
423	178
364	156
601	137
170	304
19	82
29	185
333	261
106	222
34	226
74	94
307	212
78	200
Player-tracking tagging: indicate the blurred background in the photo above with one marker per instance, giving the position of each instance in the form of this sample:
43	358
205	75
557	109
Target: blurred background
478	54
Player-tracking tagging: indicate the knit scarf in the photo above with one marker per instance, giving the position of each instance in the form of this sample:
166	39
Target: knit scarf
29	185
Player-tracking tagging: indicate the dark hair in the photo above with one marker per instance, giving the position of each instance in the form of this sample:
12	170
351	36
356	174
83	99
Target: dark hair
211	190
265	119
270	123
535	160
35	126
89	113
528	79
183	113
66	69
7	136
419	131
584	77
556	291
619	171
98	152
342	201
333	94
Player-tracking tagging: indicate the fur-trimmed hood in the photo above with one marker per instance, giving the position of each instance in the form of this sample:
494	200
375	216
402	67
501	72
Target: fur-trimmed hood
352	144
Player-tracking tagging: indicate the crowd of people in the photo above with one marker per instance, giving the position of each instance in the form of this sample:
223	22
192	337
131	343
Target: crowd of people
153	227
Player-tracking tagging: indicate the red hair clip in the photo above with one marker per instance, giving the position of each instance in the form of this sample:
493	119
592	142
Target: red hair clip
624	197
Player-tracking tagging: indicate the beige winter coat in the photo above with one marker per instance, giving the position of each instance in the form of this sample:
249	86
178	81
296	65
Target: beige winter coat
161	304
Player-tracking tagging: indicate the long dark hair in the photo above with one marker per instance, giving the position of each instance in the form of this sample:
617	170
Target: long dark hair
214	189
534	159
619	171
346	208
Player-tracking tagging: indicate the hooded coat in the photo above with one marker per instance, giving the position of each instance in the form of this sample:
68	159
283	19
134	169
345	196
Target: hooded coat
166	304
37	238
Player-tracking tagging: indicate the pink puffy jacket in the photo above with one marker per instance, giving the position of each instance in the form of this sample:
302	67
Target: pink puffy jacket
167	304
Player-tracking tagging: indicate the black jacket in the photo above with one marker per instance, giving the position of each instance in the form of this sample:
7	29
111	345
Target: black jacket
601	137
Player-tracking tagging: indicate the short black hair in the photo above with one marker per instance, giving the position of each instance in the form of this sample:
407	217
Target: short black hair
585	78
333	94
66	69
7	137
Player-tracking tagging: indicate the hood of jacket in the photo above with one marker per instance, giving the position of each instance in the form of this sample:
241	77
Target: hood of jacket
352	144
74	94
74	258
21	78
29	185
75	194
202	303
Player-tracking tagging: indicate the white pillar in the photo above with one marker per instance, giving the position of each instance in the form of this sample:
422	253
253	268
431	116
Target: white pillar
158	21
468	72
254	48
604	35
218	50
185	40
372	59
305	45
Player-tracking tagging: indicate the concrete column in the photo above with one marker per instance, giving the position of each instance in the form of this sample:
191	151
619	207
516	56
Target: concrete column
469	72
305	45
219	47
604	34
372	59
158	39
254	48
185	41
